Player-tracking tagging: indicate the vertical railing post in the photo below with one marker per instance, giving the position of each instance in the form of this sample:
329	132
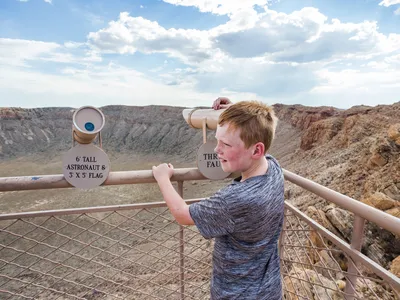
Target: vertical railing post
281	241
181	250
282	237
356	244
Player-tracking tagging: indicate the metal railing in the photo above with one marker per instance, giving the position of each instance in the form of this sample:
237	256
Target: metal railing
138	251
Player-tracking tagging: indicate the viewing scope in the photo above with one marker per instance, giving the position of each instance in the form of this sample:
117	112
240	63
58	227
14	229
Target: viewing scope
195	116
87	122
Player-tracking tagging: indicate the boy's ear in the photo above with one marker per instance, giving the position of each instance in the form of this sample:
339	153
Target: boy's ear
259	150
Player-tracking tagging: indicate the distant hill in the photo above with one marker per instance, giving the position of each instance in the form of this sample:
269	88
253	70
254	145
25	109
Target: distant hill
150	129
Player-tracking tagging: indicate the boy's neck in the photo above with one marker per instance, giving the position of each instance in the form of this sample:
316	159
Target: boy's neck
259	167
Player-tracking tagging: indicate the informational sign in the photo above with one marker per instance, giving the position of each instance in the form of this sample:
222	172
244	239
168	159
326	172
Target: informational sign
208	162
86	166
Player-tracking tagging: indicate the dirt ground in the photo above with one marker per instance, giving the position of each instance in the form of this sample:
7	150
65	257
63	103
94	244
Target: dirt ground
107	255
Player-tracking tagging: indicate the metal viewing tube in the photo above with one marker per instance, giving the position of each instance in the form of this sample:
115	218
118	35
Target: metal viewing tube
195	116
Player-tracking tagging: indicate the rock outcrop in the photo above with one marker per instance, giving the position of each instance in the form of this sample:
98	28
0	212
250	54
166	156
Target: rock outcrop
395	266
355	152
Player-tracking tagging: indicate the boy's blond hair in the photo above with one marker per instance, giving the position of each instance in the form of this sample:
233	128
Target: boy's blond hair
256	121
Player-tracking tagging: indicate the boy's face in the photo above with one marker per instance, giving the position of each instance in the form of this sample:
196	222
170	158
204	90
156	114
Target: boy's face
232	153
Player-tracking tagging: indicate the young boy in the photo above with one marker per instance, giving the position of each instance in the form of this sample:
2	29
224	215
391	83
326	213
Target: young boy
246	217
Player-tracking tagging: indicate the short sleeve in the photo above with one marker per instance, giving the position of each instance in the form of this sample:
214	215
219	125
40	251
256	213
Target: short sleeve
212	216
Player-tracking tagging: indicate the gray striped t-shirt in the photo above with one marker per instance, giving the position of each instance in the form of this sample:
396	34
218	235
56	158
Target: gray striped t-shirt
245	218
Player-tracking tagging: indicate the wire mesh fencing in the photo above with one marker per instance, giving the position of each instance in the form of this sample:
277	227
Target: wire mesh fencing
140	252
313	267
117	254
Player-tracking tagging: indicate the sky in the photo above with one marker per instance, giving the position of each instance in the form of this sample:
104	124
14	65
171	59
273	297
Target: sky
72	53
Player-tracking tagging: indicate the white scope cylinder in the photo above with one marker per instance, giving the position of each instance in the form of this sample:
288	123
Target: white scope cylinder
88	121
194	117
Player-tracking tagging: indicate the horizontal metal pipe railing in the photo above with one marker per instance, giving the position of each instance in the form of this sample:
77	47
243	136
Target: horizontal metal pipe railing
369	213
40	182
85	210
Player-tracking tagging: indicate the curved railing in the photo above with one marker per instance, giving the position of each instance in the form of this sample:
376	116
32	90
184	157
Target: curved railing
37	248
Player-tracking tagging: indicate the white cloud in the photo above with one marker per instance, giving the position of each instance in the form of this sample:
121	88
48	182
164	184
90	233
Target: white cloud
73	45
305	36
96	86
301	36
270	54
354	87
131	34
18	52
393	60
93	84
388	3
22	53
377	65
219	7
264	78
47	1
360	78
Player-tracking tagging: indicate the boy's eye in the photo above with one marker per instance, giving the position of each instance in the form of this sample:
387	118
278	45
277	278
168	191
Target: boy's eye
227	144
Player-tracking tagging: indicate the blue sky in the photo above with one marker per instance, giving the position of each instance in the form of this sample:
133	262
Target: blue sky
188	52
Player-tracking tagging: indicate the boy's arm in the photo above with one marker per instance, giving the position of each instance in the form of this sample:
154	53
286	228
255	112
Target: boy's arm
178	207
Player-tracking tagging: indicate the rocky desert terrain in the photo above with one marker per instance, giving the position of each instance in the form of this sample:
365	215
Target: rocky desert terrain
355	152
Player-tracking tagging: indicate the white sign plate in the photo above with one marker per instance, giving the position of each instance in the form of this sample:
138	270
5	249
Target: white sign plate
208	162
86	166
